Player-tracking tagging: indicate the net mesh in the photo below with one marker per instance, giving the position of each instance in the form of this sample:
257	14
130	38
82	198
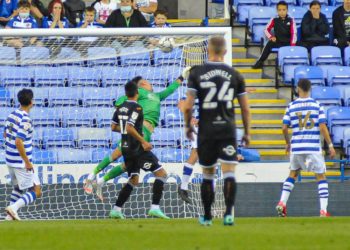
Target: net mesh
75	81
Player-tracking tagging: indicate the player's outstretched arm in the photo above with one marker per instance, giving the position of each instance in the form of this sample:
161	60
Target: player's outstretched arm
133	132
244	104
325	134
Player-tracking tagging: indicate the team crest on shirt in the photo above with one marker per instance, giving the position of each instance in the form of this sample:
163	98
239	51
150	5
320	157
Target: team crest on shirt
26	126
229	150
152	97
134	115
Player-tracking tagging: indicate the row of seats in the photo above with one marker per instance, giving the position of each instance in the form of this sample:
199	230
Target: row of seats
338	120
84	117
95	56
106	76
329	58
76	96
244	6
258	17
67	155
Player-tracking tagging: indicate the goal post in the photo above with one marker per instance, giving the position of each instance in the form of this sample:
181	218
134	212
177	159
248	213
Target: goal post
76	75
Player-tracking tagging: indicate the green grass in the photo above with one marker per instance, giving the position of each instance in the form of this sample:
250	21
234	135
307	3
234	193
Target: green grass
248	233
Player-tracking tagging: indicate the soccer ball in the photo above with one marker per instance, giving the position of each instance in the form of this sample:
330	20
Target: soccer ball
166	44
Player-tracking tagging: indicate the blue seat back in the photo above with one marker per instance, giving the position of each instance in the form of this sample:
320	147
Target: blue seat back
326	55
314	74
50	76
102	56
39	55
338	76
327	96
65	96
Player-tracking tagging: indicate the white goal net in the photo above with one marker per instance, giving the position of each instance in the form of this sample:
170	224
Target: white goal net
76	75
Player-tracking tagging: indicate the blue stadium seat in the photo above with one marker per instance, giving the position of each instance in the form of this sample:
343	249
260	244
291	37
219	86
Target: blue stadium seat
2	156
40	95
327	96
346	142
326	55
307	2
44	157
50	76
338	119
346	96
258	19
347	56
173	57
173	72
66	155
39	55
328	11
116	137
158	152
93	137
134	56
156	75
99	96
313	73
104	117
171	155
7	55
46	117
175	97
38	137
5	97
297	13
173	117
58	137
289	58
339	76
16	76
4	114
115	76
102	56
336	2
99	154
65	96
166	137
78	117
68	56
243	7
274	2
83	76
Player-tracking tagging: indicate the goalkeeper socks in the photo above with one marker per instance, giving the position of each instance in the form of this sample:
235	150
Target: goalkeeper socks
15	195
230	188
288	186
158	187
114	172
187	172
26	199
207	194
124	194
103	164
323	194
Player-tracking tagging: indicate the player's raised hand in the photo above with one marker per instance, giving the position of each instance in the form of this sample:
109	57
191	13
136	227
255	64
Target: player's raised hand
332	152
147	146
186	72
246	140
189	132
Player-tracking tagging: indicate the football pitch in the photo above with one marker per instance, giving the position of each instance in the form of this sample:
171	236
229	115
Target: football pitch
248	233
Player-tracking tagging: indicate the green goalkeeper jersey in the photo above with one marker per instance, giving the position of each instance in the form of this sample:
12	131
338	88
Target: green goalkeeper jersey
150	102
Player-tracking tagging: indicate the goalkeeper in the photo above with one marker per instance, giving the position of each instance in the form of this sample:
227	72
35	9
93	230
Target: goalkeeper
150	103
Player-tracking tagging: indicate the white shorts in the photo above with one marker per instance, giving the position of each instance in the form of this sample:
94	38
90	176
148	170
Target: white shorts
308	162
22	178
194	143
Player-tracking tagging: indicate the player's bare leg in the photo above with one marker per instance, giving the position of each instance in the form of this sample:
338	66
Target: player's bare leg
287	188
158	186
207	194
323	194
230	189
187	172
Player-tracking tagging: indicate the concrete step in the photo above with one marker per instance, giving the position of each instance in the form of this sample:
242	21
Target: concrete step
237	42
263	113
263	144
330	174
273	154
260	82
273	103
262	123
239	52
243	61
267	134
249	72
263	93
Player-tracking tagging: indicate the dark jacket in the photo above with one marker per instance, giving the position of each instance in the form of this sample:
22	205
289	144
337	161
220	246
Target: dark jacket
285	30
117	20
338	26
314	30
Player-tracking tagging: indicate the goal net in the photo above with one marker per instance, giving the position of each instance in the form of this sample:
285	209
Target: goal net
76	75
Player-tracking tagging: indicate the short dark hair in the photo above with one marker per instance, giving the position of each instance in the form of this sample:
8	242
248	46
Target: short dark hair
24	4
25	97
131	89
90	9
283	3
218	43
161	12
304	84
314	3
136	79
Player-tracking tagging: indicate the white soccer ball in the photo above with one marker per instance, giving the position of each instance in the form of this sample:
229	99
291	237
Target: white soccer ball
166	44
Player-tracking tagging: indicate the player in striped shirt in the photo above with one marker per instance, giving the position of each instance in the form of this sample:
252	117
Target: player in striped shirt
18	134
307	119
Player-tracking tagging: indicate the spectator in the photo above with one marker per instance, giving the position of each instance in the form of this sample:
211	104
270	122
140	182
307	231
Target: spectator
285	33
147	8
126	16
8	9
103	9
160	19
314	27
38	10
89	20
22	21
341	25
56	18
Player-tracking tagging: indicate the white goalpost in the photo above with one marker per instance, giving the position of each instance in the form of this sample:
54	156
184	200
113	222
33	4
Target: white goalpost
76	75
